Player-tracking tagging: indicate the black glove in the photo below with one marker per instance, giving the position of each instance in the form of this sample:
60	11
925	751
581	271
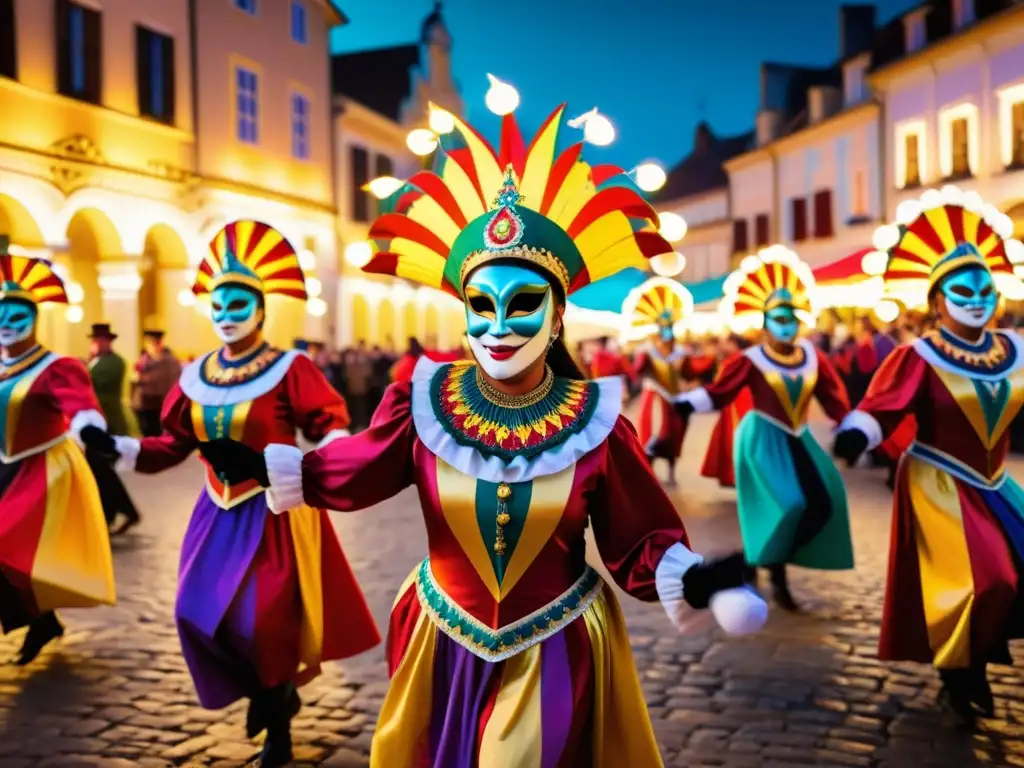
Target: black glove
849	445
235	462
684	409
98	441
701	581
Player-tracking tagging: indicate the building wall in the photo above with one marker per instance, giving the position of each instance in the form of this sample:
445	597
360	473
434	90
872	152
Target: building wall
751	192
708	242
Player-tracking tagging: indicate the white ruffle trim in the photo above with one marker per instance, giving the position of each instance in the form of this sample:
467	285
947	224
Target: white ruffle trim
128	453
284	468
492	469
84	419
866	423
199	391
668	580
331	436
698	398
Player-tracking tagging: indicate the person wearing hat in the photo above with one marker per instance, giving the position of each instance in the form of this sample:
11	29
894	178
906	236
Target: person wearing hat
108	370
156	372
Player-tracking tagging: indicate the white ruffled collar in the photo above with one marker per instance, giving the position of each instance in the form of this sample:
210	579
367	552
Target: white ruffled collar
198	391
494	469
765	364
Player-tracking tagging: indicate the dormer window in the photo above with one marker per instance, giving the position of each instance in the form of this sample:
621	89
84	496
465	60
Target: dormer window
854	85
914	31
963	13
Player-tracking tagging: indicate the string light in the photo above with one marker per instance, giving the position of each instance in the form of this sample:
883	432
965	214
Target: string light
501	98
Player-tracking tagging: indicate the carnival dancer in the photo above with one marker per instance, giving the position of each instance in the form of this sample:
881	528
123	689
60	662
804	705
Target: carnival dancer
654	310
54	549
791	497
263	599
718	460
952	597
506	649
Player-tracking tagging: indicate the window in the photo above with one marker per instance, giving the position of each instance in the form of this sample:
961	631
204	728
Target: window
360	177
761	235
300	127
249	6
740	243
914	32
963	13
854	75
859	196
8	41
911	160
958	141
247	85
961	164
798	206
384	166
79	59
300	32
1017	134
154	74
823	213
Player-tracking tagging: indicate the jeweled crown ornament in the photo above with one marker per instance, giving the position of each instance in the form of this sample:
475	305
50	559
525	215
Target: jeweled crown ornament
505	229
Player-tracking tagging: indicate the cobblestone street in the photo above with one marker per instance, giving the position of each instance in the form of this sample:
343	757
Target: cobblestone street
806	691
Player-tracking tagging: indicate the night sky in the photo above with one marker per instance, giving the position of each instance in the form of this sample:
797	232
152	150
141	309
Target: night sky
656	69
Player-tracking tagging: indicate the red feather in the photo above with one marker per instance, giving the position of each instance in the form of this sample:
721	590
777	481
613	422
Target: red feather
513	148
601	173
438	191
464	159
392	225
613	199
652	244
382	263
407	199
556	177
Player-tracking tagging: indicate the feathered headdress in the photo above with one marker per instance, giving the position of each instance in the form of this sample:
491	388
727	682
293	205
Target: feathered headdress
939	234
773	277
654	305
31	280
575	222
254	255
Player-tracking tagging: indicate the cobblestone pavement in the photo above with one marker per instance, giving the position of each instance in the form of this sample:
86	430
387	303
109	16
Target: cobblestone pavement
807	691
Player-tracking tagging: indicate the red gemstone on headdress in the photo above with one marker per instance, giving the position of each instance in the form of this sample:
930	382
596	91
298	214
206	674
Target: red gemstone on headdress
503	230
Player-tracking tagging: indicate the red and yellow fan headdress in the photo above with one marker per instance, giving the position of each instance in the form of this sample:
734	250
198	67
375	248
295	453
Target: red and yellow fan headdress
942	232
774	276
29	280
654	305
254	255
576	222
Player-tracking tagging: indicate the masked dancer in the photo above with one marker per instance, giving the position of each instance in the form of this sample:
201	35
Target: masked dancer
952	597
263	598
506	649
791	497
718	460
54	549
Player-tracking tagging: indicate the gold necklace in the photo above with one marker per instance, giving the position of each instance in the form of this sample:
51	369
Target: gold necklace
794	358
505	400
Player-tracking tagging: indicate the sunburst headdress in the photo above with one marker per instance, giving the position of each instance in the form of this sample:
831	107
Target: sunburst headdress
773	277
27	279
576	222
653	306
254	255
942	232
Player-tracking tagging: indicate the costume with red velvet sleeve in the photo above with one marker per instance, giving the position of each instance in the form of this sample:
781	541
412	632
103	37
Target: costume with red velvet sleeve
804	520
718	461
54	546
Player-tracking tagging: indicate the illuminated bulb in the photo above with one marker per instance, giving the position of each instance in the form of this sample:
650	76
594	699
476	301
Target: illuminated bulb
441	120
384	186
599	131
358	254
874	262
886	237
650	177
931	199
732	283
750	264
421	141
74	314
501	98
316	307
887	311
673	226
973	202
75	292
1004	226
668	264
953	195
1019	270
186	298
307	260
313	287
1014	251
908	211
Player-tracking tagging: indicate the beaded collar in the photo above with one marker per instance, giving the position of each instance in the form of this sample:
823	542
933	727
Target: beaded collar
476	415
10	369
218	371
794	359
990	355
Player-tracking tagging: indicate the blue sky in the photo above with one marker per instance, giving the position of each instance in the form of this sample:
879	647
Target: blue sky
656	67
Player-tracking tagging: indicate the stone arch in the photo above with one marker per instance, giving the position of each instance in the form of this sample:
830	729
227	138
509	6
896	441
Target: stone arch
163	269
431	327
360	318
91	238
386	325
410	324
18	224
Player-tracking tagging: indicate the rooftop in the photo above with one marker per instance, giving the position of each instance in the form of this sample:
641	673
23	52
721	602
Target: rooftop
702	170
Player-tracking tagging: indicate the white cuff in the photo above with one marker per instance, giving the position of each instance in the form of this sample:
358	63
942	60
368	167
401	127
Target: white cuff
698	398
284	468
128	453
866	423
84	419
668	580
331	436
739	611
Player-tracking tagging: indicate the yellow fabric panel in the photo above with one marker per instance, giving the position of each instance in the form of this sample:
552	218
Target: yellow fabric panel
304	523
199	423
404	721
548	498
538	163
512	737
490	175
574	193
947	585
800	412
971	222
608	246
72	567
939	220
239	415
962	390
457	494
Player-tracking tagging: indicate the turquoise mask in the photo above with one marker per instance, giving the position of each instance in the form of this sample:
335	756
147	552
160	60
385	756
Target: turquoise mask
970	296
17	319
509	318
235	312
782	323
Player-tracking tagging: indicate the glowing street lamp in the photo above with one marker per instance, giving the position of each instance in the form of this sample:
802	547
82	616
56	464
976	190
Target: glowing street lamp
501	98
650	177
668	264
597	129
887	310
384	186
74	314
358	254
441	120
186	298
316	307
421	141
673	226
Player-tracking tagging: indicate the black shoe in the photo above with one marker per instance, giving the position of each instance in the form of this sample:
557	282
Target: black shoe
750	576
955	696
277	749
256	717
780	589
40	632
981	694
129	522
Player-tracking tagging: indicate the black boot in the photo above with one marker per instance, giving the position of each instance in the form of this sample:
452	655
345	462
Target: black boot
780	589
981	692
277	749
750	576
955	696
256	717
40	632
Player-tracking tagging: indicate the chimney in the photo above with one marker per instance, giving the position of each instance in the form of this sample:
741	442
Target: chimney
823	101
769	121
856	29
702	139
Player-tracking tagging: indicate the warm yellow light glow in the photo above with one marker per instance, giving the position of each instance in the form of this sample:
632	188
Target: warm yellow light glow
313	287
915	128
501	98
969	112
1014	251
316	307
384	186
885	237
887	311
358	254
908	211
186	298
668	264
673	226
30	253
874	262
1008	97
74	314
75	292
650	177
421	141
441	120
307	261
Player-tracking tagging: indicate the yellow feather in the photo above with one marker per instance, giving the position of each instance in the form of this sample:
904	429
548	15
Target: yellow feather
488	173
913	244
574	193
539	161
462	189
243	234
602	260
939	220
971	222
417	262
428	212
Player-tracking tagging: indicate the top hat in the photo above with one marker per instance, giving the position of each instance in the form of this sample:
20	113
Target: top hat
153	334
102	331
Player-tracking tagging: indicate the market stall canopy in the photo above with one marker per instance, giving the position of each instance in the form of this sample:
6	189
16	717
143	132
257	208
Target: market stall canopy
843	283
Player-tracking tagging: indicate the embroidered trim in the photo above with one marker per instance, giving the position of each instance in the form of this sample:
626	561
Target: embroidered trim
1014	348
764	363
198	391
943	461
466	413
499	644
990	356
14	368
217	371
793	360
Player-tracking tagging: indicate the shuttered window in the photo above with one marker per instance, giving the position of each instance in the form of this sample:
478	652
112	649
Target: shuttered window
740	239
79	52
360	176
154	72
798	207
8	41
823	213
761	230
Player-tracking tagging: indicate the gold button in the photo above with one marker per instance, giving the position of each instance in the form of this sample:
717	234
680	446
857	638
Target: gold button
504	518
504	492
